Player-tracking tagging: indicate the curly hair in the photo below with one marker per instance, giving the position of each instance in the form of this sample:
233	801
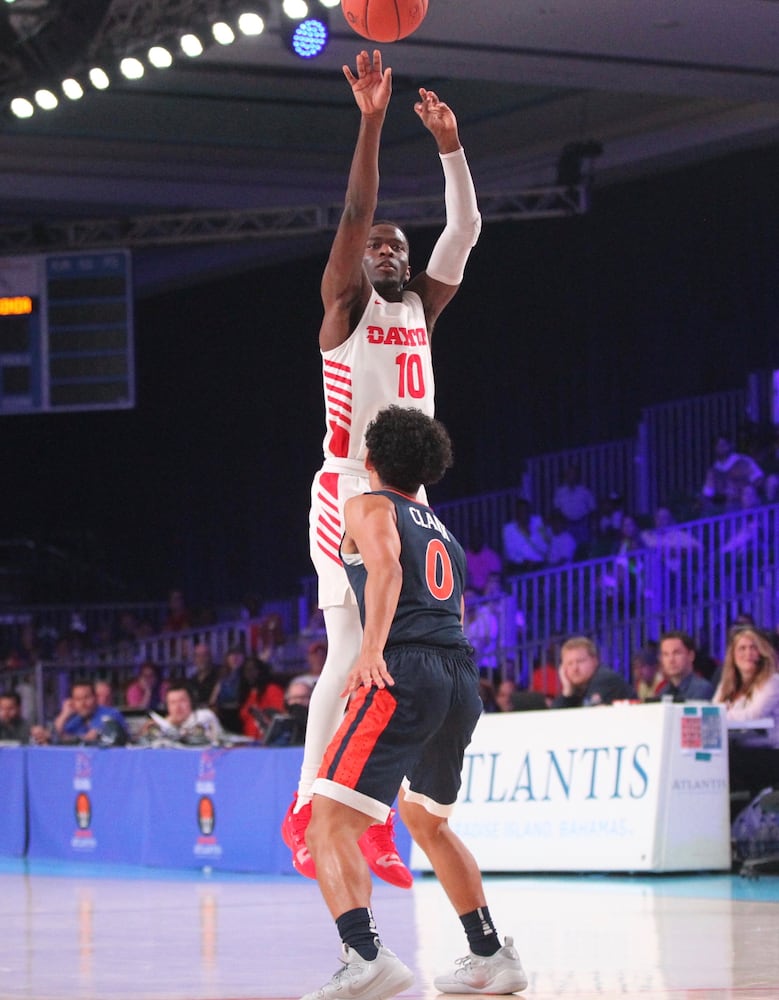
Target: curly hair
408	448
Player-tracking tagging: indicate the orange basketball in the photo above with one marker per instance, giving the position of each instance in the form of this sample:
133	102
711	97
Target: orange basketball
384	20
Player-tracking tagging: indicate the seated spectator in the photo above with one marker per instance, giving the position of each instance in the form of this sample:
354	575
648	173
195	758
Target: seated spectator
147	691
178	617
104	692
677	659
576	503
675	544
202	674
504	695
482	629
562	544
231	690
13	727
646	673
583	681
608	523
480	560
545	679
82	720
524	540
316	654
487	695
745	530
726	478
182	721
290	727
749	690
265	699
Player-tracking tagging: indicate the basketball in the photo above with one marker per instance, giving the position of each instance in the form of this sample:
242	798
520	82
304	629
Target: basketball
384	20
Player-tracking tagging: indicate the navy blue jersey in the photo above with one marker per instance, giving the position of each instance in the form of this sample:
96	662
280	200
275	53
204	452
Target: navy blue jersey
433	564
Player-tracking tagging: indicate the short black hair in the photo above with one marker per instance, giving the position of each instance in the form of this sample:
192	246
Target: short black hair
408	448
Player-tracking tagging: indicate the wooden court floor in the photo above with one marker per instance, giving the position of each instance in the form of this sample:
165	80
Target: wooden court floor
99	933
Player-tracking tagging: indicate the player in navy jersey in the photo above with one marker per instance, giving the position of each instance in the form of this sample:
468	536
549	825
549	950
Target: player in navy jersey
414	703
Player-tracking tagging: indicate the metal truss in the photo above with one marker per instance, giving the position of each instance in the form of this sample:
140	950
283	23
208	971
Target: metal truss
189	228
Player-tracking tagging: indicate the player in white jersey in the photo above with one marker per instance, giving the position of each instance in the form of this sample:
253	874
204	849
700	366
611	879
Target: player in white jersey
375	345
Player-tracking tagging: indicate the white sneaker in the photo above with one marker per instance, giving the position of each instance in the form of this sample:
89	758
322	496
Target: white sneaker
360	979
500	973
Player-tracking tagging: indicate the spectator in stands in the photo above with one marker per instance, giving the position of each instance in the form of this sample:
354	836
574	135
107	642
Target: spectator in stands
482	629
608	524
480	560
676	545
677	658
264	700
745	529
178	617
82	720
232	689
726	478
13	727
584	681
487	695
749	690
146	692
576	503
202	674
182	721
563	547
524	540
104	692
504	695
545	679
645	672
316	654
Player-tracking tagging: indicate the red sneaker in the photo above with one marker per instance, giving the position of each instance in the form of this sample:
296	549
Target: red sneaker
378	846
293	833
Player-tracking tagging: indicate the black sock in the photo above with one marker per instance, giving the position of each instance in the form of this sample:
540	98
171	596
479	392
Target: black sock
483	939
358	930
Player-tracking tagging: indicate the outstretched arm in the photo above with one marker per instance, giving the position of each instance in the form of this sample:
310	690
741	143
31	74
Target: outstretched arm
345	286
441	279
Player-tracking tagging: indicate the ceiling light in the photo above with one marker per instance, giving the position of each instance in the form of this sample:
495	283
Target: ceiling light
191	45
251	24
72	89
296	9
46	99
309	37
22	108
330	3
159	57
131	68
223	33
99	78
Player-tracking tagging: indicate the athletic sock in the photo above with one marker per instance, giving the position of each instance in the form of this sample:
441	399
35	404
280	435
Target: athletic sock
358	930
483	939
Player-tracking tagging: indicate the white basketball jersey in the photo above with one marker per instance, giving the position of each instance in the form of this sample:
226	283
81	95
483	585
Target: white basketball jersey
385	361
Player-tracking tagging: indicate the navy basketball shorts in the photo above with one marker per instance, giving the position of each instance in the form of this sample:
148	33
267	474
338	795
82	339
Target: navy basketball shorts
414	733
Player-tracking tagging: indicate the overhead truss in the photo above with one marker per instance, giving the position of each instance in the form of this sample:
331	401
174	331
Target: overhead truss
203	227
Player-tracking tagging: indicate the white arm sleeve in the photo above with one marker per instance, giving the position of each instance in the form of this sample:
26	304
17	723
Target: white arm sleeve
463	221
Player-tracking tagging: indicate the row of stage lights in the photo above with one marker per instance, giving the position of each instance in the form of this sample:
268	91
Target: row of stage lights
305	33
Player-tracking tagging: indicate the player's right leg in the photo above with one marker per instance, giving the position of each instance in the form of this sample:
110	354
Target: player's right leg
325	711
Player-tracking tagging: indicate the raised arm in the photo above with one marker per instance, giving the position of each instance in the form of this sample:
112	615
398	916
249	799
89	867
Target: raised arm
438	283
345	287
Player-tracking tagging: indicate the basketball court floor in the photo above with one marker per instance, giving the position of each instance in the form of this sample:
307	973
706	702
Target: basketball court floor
112	933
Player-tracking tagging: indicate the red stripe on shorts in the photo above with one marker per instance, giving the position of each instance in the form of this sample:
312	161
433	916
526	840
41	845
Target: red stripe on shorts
366	719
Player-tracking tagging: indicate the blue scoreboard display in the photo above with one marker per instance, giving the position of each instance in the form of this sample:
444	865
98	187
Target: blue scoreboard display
66	332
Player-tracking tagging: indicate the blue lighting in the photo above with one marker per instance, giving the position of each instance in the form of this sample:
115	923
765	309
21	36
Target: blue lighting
309	38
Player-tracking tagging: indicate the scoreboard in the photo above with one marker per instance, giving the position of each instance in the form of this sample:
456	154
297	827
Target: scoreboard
66	332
